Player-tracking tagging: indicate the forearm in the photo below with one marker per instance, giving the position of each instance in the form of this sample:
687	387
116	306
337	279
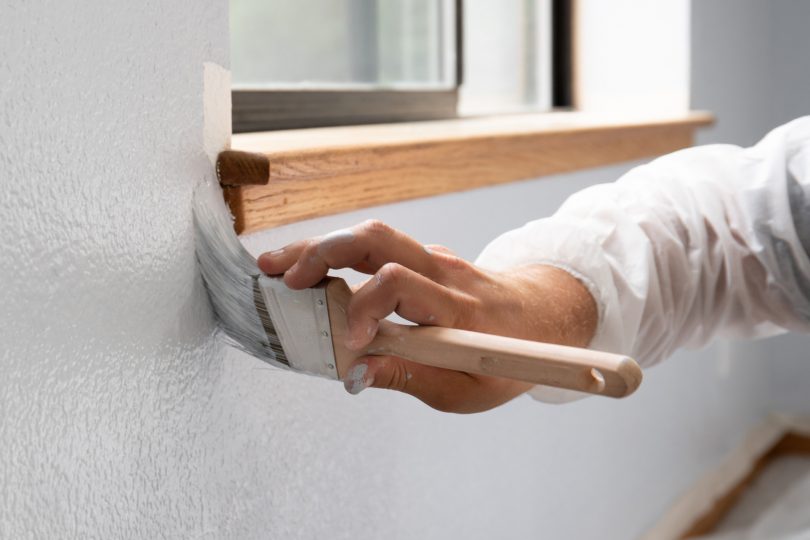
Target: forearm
702	242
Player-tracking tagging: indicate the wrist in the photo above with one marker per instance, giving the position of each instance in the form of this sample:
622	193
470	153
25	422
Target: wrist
552	305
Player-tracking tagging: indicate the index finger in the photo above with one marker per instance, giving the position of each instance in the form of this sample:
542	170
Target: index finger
365	247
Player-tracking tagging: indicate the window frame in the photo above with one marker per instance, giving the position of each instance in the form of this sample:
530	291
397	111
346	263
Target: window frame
269	110
256	110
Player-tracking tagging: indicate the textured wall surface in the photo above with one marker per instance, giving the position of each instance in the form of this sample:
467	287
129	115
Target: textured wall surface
111	425
122	418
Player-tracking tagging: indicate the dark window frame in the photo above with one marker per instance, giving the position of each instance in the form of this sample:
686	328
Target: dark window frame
562	54
266	110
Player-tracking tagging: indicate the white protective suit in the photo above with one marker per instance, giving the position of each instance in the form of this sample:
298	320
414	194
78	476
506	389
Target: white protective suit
707	241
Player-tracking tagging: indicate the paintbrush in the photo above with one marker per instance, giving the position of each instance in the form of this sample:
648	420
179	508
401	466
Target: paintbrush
304	330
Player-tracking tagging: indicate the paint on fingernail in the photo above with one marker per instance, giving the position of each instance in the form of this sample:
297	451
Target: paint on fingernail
356	381
334	238
379	278
427	250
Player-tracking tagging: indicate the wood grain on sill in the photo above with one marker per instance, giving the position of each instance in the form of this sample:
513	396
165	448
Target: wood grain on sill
318	172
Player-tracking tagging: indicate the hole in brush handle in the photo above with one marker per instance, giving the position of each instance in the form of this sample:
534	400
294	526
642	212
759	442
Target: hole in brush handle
597	381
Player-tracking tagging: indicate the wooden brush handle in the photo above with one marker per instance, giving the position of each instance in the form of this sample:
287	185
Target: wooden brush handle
585	370
573	368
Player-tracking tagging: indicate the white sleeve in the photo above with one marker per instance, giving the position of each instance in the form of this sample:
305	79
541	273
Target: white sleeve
706	241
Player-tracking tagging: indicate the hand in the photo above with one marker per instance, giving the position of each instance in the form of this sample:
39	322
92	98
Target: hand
429	285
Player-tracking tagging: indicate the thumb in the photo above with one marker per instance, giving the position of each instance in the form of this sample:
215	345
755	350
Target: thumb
389	372
443	389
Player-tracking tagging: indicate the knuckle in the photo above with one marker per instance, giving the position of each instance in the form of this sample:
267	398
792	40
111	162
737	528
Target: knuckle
398	377
391	274
453	268
456	264
309	250
375	227
438	248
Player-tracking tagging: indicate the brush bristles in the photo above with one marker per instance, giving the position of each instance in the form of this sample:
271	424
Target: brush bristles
230	274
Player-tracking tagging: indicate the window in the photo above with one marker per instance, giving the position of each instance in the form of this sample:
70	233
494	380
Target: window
306	63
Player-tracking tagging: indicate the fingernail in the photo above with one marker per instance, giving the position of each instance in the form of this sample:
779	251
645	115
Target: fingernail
355	380
267	261
270	255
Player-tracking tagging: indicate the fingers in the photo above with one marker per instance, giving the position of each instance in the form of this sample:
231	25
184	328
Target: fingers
413	296
277	262
366	248
442	389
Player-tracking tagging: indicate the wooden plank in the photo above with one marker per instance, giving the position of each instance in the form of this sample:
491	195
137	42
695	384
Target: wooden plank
695	507
791	443
709	521
318	172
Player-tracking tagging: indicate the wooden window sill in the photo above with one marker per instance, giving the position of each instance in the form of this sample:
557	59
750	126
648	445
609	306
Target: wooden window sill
308	173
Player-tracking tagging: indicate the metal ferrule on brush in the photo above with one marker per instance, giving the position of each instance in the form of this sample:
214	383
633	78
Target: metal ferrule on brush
300	321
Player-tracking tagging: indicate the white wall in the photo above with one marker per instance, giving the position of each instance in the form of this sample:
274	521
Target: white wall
632	56
121	418
111	420
751	66
790	97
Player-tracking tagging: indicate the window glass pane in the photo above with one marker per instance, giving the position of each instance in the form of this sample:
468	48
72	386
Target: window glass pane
343	43
507	56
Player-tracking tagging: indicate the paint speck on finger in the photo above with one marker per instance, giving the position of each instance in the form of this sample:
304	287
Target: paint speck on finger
335	238
356	381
